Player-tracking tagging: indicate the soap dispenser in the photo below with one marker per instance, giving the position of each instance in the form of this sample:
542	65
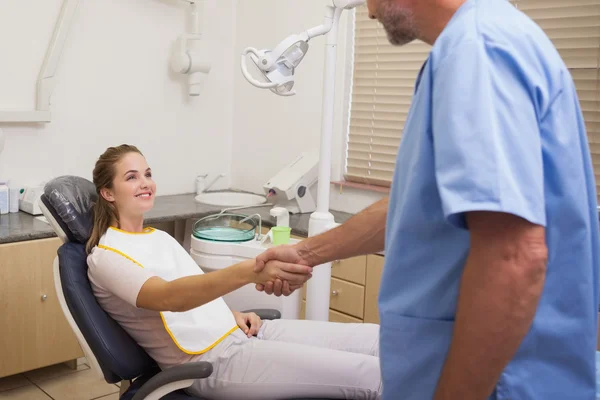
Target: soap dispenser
282	215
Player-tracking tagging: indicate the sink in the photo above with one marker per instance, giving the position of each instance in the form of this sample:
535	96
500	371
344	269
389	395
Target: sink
230	199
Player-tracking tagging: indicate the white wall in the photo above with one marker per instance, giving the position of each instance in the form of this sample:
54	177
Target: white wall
269	130
114	86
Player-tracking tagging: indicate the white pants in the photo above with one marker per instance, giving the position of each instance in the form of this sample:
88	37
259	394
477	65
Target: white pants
295	358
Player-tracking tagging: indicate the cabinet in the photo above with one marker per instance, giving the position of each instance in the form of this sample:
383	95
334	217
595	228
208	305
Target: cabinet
354	289
35	332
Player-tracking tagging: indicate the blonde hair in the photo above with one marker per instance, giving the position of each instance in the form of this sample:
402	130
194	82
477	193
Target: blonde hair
104	212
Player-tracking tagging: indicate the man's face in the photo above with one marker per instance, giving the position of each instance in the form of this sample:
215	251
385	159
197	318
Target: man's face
397	19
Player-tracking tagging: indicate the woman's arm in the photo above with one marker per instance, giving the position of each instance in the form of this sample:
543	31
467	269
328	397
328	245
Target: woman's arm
187	293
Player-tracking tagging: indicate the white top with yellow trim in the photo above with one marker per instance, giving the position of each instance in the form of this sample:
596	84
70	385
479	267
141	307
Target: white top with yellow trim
194	331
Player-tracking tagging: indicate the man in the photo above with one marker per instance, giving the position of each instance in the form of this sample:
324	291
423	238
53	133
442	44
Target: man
490	286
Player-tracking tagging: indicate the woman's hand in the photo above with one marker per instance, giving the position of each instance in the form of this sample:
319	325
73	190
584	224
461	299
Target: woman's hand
250	323
295	274
285	257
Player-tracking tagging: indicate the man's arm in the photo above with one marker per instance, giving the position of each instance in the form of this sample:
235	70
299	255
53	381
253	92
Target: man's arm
500	288
364	233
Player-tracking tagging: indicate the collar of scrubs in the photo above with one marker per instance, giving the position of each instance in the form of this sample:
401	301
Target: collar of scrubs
467	5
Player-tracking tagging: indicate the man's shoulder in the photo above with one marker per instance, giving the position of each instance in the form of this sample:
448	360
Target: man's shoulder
496	25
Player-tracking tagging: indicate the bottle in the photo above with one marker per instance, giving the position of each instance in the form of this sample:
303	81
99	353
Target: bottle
14	193
3	198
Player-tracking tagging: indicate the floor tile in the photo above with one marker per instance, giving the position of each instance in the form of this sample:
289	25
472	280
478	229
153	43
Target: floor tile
24	393
13	382
114	396
53	371
82	385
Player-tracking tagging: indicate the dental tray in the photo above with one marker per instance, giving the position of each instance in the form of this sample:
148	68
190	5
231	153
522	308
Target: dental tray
225	228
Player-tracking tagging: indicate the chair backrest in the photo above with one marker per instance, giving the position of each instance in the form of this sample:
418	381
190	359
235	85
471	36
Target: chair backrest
67	203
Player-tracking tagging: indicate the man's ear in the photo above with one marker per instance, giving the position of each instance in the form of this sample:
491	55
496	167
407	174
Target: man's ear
107	195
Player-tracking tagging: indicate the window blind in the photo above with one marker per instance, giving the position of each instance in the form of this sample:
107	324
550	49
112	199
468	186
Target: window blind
382	90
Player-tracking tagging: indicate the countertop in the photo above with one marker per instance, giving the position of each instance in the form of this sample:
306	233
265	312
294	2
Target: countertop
20	226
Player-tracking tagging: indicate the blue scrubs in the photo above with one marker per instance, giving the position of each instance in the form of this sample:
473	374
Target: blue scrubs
495	125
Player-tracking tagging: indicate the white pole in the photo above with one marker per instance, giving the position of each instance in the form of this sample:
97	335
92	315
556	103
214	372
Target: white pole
318	289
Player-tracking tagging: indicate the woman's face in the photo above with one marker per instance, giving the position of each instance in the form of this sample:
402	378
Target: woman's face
133	187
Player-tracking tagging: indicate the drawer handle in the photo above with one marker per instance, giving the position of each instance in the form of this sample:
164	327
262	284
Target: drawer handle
44	297
334	293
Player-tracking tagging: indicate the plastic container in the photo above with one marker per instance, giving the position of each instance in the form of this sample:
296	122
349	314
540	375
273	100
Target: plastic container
281	235
225	228
14	194
3	198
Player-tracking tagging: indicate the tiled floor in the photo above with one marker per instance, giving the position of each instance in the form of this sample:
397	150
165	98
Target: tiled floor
58	382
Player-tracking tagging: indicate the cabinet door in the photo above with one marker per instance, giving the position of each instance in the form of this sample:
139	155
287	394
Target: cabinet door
35	331
351	269
374	271
347	297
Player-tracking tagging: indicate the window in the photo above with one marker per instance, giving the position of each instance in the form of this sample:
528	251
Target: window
384	77
383	85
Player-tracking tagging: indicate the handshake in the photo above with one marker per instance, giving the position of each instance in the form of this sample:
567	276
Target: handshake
283	269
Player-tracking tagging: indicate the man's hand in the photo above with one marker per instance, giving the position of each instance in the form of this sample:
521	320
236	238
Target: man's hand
287	258
250	323
295	275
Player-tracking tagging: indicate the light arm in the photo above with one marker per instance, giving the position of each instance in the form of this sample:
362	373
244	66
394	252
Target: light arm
317	305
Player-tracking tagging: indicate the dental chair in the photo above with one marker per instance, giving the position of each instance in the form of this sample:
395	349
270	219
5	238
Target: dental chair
67	204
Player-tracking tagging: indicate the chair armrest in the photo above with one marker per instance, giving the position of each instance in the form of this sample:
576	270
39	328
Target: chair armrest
175	378
266	313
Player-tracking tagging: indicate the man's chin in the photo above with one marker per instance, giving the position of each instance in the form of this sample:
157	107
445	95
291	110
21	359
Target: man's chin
397	39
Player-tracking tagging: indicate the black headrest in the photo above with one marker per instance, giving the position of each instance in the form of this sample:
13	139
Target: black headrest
119	356
70	200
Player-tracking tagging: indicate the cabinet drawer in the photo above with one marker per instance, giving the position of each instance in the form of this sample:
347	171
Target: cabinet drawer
347	297
374	271
334	316
352	269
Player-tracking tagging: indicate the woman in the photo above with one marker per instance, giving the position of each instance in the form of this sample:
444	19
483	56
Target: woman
148	283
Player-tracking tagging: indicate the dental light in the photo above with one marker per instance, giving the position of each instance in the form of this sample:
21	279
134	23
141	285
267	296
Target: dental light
278	67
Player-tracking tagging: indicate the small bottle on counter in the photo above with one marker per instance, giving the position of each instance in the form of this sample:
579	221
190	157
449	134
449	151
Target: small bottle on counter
14	194
3	198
